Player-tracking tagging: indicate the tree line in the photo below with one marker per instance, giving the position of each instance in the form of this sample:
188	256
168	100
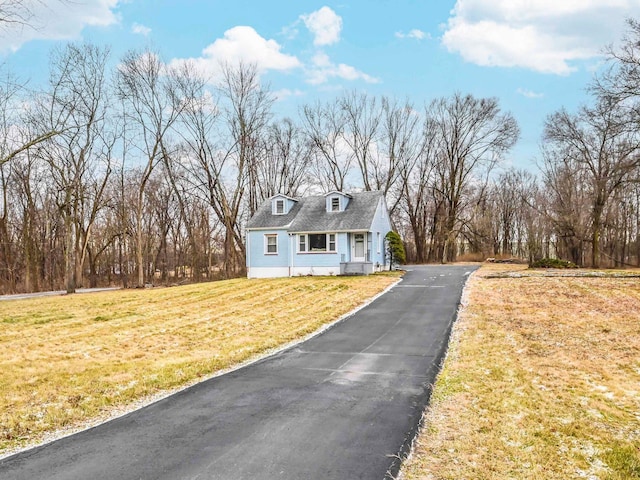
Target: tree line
147	172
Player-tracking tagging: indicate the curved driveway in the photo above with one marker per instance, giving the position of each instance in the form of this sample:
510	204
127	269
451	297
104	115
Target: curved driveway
343	405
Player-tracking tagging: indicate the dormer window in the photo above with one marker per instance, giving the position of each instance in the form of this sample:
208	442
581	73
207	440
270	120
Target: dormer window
281	204
336	201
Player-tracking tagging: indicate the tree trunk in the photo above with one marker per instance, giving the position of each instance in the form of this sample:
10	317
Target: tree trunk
123	262
69	264
230	254
449	253
597	228
93	274
79	268
139	246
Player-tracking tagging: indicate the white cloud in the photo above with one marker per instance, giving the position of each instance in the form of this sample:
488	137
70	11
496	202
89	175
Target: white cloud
325	25
414	33
547	36
529	93
290	31
323	69
242	44
55	20
285	93
139	29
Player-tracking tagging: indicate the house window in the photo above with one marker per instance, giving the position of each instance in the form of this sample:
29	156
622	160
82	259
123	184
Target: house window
279	207
378	242
316	242
271	244
335	204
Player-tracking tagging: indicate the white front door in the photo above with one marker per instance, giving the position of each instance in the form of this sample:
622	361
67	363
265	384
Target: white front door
358	250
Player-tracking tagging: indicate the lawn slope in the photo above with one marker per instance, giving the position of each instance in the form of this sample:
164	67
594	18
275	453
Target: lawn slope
66	360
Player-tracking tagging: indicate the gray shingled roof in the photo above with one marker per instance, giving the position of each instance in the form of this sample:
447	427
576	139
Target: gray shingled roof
263	218
309	214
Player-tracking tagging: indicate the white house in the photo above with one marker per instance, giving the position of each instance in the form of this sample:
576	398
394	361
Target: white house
332	234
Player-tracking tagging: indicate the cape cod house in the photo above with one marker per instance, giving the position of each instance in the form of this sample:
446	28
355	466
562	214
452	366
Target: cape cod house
332	234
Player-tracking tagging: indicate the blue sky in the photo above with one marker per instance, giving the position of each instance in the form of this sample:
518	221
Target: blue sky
535	56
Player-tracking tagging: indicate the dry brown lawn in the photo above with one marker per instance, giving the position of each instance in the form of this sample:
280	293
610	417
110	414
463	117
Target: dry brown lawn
67	360
542	381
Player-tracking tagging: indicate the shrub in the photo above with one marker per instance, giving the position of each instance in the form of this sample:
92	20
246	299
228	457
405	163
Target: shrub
553	263
395	248
470	257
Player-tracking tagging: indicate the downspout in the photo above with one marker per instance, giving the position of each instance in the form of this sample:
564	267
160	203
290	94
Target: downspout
248	247
292	245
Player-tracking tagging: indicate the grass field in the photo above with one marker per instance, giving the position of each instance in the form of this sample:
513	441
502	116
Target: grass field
66	360
542	381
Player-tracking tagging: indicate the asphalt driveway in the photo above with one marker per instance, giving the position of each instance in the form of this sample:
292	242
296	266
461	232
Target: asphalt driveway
343	405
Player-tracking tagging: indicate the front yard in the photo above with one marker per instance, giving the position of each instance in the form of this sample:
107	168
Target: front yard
70	361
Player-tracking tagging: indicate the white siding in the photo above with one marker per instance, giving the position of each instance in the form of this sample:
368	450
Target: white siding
267	272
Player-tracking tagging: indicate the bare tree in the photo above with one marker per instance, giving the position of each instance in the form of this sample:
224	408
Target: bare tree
18	12
7	270
223	140
473	135
418	201
362	119
283	165
152	106
566	204
620	81
203	161
15	11
18	130
78	166
536	229
324	126
247	111
403	146
621	227
603	143
509	206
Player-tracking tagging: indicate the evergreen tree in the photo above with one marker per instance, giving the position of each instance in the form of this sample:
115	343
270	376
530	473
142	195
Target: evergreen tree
395	248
